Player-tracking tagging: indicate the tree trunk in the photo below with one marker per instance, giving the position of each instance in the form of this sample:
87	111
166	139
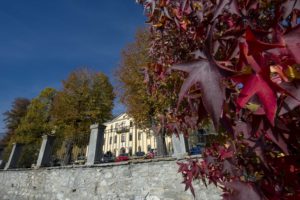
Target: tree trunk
161	144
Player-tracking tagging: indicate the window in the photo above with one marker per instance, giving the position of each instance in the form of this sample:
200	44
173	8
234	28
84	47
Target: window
110	140
111	128
148	134
131	124
122	124
149	148
130	136
123	137
116	138
139	149
130	151
122	150
139	136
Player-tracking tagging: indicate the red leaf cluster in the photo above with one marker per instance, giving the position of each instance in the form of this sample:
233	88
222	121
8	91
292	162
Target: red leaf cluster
238	62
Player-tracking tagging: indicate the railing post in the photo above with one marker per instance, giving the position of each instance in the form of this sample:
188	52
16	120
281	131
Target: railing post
45	151
95	150
1	160
1	152
14	156
180	146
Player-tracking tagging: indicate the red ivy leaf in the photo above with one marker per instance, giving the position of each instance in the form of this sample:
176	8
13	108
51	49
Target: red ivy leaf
209	78
288	7
293	42
279	141
256	47
210	160
241	191
189	171
228	168
242	128
255	84
290	103
222	4
224	154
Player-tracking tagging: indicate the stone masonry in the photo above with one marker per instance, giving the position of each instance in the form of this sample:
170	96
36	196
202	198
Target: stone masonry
135	180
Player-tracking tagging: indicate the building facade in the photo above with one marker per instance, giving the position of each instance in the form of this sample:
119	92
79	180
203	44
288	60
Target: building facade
123	136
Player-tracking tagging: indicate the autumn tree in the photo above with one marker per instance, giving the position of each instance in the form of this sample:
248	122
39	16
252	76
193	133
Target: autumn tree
239	64
86	98
130	76
133	90
35	124
37	120
13	117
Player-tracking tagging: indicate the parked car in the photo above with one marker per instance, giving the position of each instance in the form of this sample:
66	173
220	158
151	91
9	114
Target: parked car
195	150
150	155
140	153
108	157
80	160
122	157
55	161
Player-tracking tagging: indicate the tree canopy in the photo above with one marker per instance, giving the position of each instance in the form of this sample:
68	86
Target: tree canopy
37	121
86	98
33	123
130	76
134	91
12	118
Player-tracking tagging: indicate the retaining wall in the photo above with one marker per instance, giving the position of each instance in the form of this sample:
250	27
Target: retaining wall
150	180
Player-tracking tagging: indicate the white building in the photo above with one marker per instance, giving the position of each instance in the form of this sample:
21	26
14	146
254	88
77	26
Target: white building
123	136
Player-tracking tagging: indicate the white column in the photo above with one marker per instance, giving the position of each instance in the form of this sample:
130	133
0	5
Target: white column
95	152
14	156
45	151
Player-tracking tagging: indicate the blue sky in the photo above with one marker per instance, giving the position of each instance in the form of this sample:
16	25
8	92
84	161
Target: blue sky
41	41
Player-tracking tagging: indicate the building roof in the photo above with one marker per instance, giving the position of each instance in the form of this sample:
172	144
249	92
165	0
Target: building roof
118	118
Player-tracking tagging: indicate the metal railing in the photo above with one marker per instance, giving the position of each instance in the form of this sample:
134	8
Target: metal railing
29	154
52	151
121	129
69	151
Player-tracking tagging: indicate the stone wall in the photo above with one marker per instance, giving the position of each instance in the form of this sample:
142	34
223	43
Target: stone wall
150	180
